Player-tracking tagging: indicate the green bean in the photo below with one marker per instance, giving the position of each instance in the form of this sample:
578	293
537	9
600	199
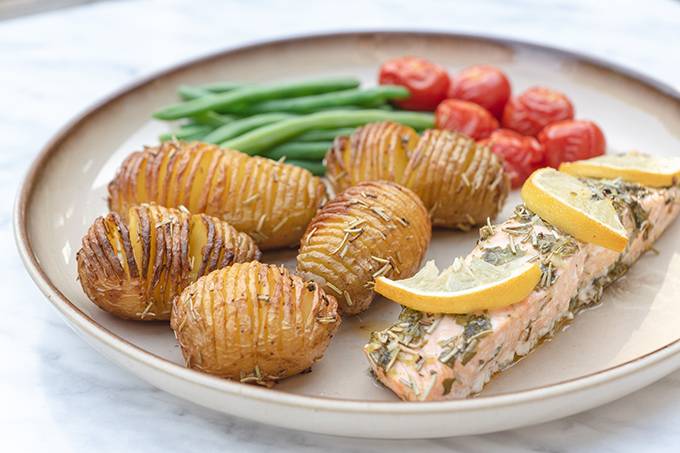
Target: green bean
300	150
221	87
338	99
238	127
323	134
212	119
267	137
188	92
188	132
317	168
387	107
246	95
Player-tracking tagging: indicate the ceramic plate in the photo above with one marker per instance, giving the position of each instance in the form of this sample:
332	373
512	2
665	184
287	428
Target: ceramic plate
629	341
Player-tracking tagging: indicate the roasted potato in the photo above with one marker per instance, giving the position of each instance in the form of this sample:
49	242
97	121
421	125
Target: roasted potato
271	201
133	270
253	322
460	183
374	228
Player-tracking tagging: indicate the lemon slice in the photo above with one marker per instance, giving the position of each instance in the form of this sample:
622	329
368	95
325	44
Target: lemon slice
571	206
464	287
635	167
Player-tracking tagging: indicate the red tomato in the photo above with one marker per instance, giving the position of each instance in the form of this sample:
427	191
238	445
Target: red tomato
536	108
570	140
427	82
484	85
521	154
465	117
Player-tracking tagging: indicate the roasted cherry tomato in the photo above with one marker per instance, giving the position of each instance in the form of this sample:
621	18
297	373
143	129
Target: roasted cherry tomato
484	85
466	117
570	140
521	154
427	82
534	109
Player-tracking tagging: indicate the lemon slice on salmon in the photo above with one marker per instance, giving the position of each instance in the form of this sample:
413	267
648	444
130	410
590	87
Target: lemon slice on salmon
467	286
654	171
573	207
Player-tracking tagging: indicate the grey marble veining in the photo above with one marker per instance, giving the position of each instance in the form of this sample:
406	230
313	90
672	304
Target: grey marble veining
57	393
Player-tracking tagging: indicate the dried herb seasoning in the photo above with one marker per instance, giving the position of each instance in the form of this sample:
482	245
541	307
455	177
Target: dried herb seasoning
447	384
475	326
501	255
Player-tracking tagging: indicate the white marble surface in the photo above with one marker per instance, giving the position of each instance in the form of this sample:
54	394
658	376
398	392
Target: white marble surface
57	393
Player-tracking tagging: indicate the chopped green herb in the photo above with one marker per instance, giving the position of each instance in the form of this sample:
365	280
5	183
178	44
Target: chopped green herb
447	384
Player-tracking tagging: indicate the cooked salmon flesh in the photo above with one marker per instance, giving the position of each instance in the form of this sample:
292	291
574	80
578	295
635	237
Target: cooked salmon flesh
426	357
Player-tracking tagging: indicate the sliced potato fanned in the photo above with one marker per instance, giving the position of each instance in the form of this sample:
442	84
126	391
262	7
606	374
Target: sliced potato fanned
134	269
460	183
371	229
253	322
271	201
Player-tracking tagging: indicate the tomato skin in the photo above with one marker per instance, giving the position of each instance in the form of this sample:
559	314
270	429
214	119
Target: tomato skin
570	140
534	109
427	82
521	154
485	85
462	116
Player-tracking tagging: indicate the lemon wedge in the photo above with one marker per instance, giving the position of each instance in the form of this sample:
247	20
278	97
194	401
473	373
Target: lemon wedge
570	205
467	286
633	166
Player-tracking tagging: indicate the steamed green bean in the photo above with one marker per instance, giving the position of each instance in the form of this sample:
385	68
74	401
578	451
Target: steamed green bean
373	97
317	135
266	137
253	94
188	132
212	119
300	150
188	92
238	127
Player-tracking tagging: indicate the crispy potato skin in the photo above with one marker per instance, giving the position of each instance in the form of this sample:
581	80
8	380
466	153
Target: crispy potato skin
273	202
253	322
373	228
460	183
140	284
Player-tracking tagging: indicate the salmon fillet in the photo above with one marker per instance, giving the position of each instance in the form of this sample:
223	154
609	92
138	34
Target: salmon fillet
425	357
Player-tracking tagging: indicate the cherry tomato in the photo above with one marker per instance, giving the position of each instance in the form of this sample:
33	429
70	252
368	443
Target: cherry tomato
484	85
534	109
521	154
465	117
570	140
427	82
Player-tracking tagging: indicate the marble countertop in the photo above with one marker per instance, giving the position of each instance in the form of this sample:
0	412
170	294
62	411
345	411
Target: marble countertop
58	393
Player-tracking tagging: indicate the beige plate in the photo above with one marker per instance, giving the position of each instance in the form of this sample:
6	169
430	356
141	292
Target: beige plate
628	342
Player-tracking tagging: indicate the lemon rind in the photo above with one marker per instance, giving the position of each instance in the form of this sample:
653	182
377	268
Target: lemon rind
579	225
489	296
587	169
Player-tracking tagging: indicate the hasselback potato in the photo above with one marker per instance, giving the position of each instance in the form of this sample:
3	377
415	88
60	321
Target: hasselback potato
134	269
371	229
253	322
271	201
460	183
